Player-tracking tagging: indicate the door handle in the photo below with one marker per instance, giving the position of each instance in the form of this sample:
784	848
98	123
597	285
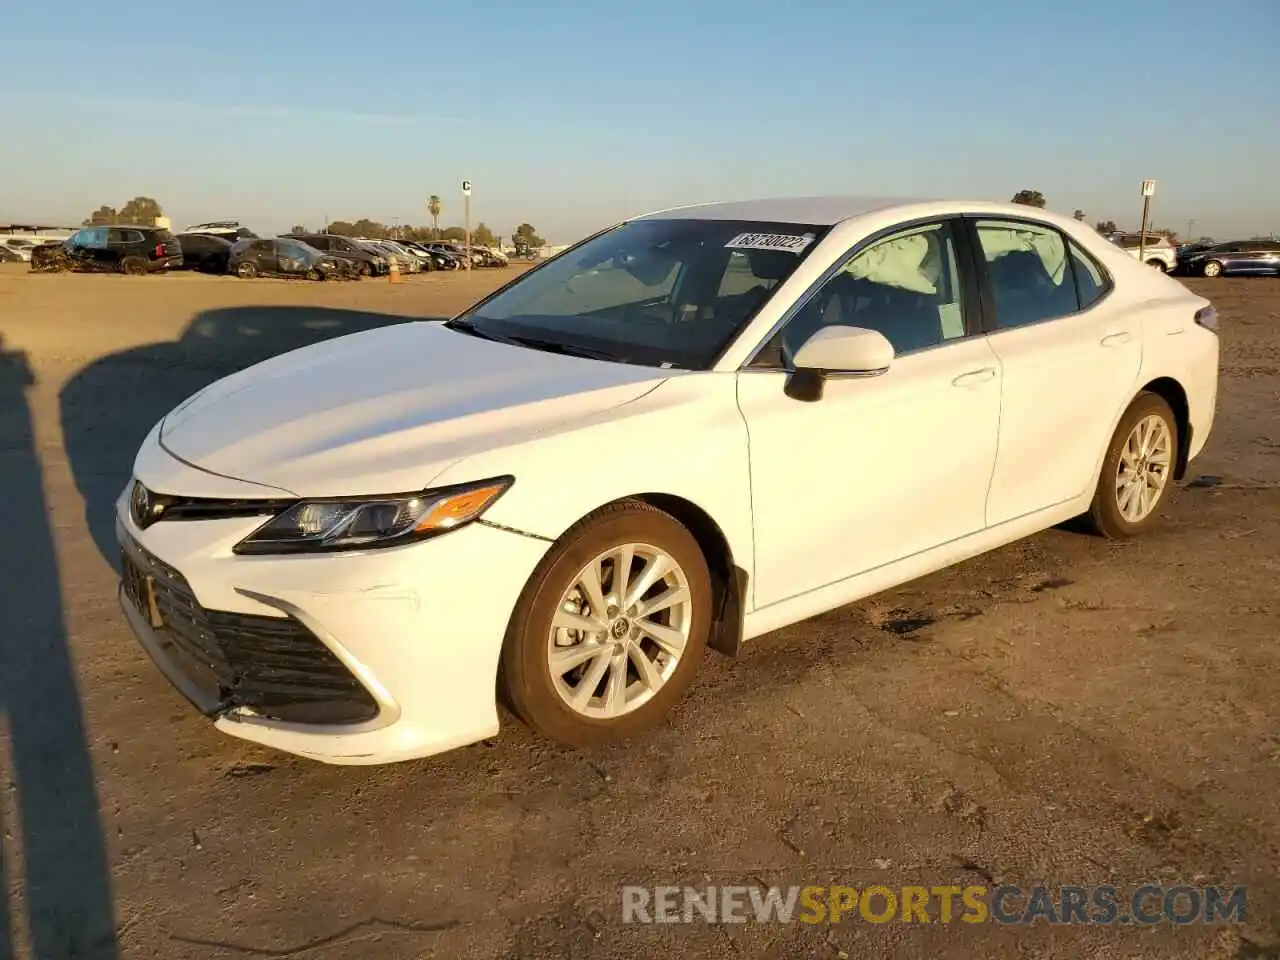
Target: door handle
975	377
1116	339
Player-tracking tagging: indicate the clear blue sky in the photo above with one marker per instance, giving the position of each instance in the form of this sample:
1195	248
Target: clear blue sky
571	115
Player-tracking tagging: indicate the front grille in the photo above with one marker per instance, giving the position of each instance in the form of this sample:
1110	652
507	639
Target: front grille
163	506
272	665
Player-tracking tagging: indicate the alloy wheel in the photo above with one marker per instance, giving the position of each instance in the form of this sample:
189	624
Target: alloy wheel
1143	471
619	631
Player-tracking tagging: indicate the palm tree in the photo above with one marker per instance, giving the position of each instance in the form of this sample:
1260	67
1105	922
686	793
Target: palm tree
433	208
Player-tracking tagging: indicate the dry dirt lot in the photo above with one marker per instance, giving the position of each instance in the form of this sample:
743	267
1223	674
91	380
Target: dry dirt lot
1063	711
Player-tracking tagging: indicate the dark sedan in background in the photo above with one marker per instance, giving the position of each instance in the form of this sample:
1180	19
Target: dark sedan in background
1236	257
282	257
365	262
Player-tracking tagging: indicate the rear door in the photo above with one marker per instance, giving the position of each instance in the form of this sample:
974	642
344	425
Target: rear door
1070	360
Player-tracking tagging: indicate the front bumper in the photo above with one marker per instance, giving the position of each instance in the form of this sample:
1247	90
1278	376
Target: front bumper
401	644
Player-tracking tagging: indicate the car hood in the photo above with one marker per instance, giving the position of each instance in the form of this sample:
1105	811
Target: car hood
387	410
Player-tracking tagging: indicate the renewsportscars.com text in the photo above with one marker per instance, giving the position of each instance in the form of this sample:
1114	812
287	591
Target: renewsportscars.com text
1008	904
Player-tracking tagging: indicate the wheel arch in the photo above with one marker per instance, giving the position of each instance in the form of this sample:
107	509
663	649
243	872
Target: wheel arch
1174	394
729	580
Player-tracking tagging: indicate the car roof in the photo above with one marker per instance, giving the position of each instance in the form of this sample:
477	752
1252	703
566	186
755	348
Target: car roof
831	210
819	211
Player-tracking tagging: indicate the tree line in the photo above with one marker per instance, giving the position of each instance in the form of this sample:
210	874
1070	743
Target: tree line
481	234
145	211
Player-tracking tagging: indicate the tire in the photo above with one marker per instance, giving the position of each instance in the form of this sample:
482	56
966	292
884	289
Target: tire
363	269
133	266
314	275
246	270
1159	265
541	699
1213	268
1108	515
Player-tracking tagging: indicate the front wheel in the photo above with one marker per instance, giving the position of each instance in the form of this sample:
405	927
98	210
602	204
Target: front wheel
608	632
1137	470
246	270
1213	269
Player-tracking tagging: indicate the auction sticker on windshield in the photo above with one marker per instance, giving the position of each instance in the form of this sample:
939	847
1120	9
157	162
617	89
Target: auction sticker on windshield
790	243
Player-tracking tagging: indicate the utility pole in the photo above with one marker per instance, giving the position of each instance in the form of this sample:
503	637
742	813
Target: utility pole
1190	225
466	193
1148	191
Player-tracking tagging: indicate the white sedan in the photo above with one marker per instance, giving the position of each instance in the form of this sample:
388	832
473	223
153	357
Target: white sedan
690	429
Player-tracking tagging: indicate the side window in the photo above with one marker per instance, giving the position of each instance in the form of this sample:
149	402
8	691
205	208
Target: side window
1028	271
1091	282
319	243
906	286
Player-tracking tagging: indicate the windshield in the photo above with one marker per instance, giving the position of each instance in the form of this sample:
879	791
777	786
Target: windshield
655	292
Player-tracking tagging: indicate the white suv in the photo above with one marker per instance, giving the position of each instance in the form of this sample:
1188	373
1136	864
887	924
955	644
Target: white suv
1156	251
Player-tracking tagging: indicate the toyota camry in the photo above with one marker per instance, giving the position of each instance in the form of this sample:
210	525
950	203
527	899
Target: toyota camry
689	429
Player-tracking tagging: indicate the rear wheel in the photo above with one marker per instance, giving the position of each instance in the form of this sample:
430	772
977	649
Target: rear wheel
314	275
246	270
1137	470
608	633
1159	265
363	269
1213	269
133	266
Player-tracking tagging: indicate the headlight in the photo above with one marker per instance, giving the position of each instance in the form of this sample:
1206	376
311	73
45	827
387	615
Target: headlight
314	526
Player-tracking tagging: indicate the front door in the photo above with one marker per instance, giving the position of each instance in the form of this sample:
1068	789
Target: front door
879	468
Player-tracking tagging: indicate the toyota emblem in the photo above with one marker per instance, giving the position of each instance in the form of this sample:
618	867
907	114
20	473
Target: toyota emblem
140	505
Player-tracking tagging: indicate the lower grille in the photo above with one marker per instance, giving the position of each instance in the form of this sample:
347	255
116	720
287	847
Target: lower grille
272	665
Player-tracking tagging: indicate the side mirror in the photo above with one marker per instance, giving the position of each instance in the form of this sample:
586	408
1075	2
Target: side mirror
837	352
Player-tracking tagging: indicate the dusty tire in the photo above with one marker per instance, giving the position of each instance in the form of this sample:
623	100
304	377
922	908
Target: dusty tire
315	275
246	270
1159	265
525	671
1212	269
133	266
1106	514
364	270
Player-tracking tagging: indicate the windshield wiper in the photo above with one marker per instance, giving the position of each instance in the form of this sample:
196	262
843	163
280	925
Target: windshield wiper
568	349
469	327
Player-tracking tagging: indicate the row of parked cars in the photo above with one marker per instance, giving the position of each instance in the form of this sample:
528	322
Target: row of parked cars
228	247
1203	259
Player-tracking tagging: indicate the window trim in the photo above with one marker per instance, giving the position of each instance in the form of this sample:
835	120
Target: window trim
989	314
970	292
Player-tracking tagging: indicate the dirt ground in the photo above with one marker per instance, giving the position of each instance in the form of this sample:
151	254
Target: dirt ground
1062	711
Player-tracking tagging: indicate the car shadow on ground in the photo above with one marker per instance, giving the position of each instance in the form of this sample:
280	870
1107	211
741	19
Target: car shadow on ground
109	407
66	885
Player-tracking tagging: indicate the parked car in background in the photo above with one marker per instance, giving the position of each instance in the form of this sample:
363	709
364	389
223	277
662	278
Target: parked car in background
357	550
231	230
204	252
412	259
20	247
457	252
284	258
127	248
1155	249
425	257
11	255
403	259
1234	257
365	261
